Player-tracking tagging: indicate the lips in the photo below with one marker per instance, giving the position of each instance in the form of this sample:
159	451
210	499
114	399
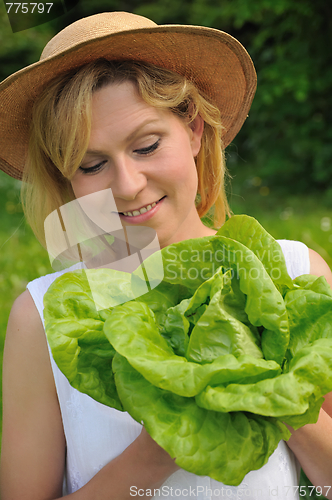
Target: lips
142	217
142	210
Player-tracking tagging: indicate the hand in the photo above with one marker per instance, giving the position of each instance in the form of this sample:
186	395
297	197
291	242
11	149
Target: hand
155	454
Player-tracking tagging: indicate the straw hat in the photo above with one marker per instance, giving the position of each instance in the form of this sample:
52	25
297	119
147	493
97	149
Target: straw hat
216	62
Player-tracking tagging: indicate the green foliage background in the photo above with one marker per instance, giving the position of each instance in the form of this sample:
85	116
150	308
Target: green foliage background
280	161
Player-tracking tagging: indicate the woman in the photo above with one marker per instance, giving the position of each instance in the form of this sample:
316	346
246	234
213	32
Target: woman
151	131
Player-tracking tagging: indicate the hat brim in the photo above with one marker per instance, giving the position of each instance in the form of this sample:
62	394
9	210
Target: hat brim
215	61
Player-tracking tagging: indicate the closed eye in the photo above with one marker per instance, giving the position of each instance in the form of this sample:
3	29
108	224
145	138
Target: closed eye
148	150
93	169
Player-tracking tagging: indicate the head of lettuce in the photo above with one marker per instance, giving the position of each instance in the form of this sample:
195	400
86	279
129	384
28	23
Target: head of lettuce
214	360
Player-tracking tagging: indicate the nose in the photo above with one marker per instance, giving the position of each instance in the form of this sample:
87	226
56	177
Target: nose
129	178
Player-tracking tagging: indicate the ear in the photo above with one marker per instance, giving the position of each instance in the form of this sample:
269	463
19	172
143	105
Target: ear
196	132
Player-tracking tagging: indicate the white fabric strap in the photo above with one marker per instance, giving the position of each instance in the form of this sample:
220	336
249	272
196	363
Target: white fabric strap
296	255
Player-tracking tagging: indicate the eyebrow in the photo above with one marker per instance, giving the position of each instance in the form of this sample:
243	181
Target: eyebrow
131	136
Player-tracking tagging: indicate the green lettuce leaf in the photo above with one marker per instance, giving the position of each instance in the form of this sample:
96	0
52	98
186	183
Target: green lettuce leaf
225	446
214	359
75	333
247	231
309	375
309	313
132	330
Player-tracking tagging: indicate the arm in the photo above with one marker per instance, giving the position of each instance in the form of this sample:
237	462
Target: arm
33	442
318	266
312	444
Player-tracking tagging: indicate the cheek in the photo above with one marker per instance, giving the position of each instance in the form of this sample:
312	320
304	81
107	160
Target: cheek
181	167
83	185
187	174
78	191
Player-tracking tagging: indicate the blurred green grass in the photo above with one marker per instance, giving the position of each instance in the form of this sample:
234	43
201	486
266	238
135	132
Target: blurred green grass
306	218
22	259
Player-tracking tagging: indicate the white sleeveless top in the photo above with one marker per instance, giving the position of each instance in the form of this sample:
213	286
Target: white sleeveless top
96	434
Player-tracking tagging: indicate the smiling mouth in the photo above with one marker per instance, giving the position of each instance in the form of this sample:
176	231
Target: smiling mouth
142	210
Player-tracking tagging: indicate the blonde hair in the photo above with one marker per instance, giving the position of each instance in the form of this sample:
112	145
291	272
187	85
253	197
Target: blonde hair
56	151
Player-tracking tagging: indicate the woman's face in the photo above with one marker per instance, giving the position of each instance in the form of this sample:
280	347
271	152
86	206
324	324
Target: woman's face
146	156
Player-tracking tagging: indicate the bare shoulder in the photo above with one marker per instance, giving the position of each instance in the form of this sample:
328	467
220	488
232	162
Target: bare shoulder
25	334
23	316
319	267
24	302
26	365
